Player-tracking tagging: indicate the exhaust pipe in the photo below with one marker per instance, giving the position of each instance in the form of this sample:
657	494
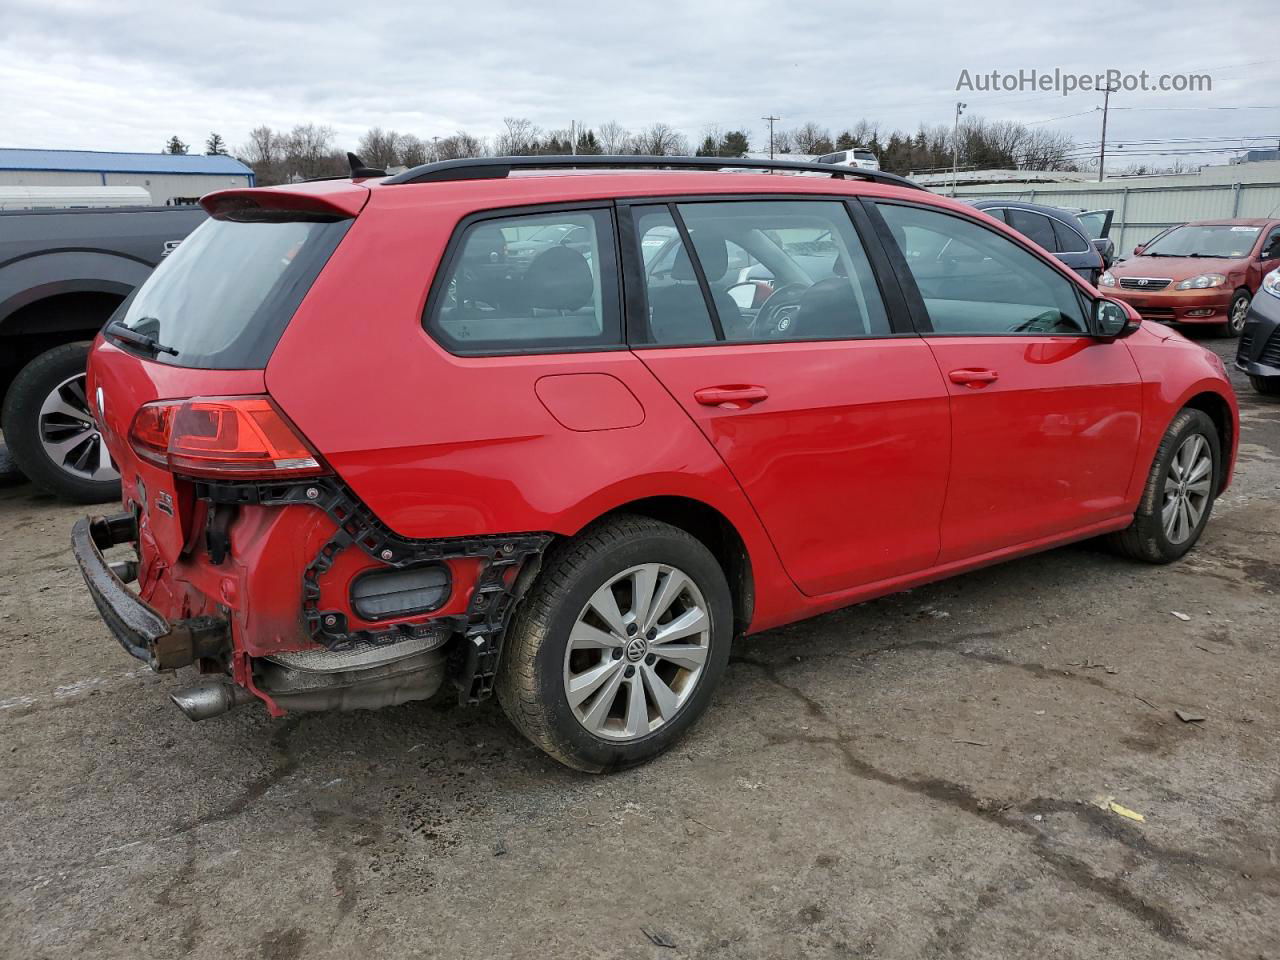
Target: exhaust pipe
205	700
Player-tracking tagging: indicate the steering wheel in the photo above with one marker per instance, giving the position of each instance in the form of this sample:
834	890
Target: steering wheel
777	314
1050	321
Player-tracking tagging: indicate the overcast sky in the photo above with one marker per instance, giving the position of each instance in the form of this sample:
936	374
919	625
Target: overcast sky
125	75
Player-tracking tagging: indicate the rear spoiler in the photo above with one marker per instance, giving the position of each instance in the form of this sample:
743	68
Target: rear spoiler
331	198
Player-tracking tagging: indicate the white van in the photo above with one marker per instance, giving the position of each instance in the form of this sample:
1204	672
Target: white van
857	157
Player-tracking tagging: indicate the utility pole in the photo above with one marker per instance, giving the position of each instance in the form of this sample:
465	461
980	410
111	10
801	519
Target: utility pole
771	120
1102	150
955	146
573	143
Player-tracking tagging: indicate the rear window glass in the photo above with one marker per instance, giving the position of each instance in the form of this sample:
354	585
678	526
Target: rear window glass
224	296
531	283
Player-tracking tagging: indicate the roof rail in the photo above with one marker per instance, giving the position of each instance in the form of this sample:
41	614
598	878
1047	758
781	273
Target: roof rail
497	168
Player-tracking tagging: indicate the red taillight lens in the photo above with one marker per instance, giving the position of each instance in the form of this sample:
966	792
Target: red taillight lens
213	437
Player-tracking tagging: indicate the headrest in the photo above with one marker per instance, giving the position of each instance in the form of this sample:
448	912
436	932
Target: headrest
713	254
558	279
486	243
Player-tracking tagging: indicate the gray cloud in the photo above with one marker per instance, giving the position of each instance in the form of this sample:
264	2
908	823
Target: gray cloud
126	75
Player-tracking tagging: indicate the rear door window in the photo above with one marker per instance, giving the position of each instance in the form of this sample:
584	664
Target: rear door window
222	299
1034	226
1067	240
530	283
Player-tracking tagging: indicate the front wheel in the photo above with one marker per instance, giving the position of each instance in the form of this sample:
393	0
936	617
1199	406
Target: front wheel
1237	313
619	645
1179	495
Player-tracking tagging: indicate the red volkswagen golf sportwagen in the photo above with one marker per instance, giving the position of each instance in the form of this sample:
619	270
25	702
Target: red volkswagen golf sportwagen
562	428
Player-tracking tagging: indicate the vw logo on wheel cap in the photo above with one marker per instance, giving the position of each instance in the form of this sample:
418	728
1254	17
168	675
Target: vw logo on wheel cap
635	649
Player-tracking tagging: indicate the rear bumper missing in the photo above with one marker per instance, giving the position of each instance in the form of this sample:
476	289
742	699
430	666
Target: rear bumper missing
144	633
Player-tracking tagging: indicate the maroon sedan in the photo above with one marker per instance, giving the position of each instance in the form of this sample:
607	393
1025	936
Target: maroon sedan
1201	272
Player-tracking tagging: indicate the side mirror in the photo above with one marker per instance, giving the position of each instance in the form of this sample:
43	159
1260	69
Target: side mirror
1107	249
1112	320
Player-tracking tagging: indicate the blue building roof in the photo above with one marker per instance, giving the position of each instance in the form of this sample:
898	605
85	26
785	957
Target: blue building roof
103	161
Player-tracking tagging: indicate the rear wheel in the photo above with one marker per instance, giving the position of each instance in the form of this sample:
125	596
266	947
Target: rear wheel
1268	386
1237	313
1179	495
50	432
619	646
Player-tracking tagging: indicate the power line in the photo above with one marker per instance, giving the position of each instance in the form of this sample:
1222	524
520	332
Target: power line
1269	107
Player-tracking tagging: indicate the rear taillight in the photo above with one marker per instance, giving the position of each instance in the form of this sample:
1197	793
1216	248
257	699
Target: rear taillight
244	437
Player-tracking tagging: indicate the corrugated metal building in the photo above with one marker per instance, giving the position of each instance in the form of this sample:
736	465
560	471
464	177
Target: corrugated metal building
170	178
1143	205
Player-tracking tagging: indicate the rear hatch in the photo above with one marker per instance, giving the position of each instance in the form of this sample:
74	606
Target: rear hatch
185	354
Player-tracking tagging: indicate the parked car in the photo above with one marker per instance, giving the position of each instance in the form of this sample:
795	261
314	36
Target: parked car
355	471
1058	231
62	274
1203	272
1259	352
857	157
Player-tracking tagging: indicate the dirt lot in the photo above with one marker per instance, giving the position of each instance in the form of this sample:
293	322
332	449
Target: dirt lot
916	777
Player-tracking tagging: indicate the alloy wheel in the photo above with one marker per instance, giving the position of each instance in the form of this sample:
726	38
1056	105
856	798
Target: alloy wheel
70	437
1187	489
1239	313
637	651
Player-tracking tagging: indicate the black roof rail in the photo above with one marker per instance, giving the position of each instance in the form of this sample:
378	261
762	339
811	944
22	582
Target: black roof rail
497	168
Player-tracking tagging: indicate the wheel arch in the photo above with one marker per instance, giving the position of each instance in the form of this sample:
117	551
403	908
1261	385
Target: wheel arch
716	532
1216	407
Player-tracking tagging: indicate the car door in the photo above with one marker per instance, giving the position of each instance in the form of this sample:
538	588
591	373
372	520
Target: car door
827	408
1268	252
1044	418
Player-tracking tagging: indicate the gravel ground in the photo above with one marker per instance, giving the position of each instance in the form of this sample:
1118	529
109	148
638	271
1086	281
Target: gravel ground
923	776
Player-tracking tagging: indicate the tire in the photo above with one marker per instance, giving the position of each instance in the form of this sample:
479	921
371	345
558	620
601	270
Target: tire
1149	538
1267	386
540	663
1237	313
45	407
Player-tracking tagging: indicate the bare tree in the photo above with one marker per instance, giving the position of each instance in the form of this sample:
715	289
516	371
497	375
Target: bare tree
461	144
381	148
811	138
264	153
309	152
413	150
662	140
614	138
520	137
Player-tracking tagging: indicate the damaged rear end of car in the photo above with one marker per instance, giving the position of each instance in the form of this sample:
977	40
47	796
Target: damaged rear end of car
245	555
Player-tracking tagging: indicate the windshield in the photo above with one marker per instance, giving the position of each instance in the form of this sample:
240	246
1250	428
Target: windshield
1211	240
864	155
222	299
